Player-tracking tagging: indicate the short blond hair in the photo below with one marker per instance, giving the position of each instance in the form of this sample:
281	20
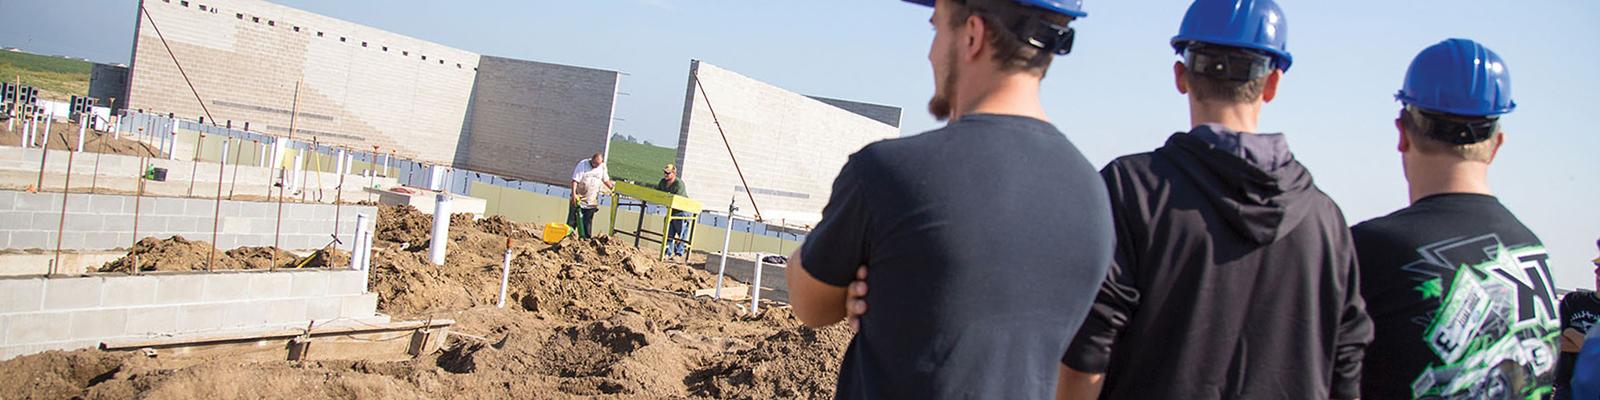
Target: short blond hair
1415	123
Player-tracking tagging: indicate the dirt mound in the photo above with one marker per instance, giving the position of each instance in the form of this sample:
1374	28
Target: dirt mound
583	319
179	254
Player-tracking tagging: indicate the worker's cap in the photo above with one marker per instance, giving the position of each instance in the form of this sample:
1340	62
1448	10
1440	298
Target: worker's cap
669	169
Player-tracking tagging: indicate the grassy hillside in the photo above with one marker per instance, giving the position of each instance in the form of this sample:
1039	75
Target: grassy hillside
57	78
639	163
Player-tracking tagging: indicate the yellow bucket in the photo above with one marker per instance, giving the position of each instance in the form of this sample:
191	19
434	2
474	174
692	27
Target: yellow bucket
555	231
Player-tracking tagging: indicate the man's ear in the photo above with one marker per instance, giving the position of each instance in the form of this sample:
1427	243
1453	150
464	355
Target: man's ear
1178	77
1270	91
1405	143
972	38
1499	140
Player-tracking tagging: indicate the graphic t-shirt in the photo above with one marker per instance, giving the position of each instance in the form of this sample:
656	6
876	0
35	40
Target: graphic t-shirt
1462	299
1579	310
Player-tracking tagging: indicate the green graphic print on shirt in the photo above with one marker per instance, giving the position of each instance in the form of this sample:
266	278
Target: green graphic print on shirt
1496	327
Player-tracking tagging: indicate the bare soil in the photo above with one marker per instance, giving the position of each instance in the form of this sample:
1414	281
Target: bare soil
179	254
583	319
64	136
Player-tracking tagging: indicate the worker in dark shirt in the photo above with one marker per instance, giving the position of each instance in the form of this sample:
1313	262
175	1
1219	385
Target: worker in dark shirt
1580	314
980	274
1459	290
1233	277
671	184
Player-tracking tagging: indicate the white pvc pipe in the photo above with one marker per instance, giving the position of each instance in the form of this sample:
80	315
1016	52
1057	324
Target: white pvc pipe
441	229
727	237
83	126
355	242
48	121
755	289
366	252
505	278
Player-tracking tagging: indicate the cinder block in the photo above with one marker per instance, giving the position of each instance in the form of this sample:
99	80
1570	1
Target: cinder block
283	311
178	225
21	295
38	327
77	204
8	202
72	293
199	317
5	323
151	320
238	225
101	241
253	313
342	282
323	308
179	289
164	206
72	240
23	240
105	204
14	220
129	291
230	208
323	212
84	222
88	324
226	286
37	201
309	284
359	306
118	222
198	207
46	221
271	285
151	226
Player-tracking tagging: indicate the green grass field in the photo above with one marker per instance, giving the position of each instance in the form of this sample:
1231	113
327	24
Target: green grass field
57	78
639	163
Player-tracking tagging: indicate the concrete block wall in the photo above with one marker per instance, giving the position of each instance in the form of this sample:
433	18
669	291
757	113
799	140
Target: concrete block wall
534	121
40	314
790	146
360	86
105	221
19	167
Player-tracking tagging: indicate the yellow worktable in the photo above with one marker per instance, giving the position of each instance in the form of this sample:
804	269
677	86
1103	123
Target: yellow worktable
643	196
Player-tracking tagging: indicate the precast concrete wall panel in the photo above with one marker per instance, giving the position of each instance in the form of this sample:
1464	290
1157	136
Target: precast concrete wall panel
533	121
790	146
360	86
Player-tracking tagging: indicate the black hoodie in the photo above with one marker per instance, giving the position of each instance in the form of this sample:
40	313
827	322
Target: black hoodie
1233	278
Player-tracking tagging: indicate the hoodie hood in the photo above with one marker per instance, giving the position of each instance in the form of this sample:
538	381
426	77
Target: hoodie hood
1252	180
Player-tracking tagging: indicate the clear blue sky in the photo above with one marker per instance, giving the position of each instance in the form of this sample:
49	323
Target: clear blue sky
1113	96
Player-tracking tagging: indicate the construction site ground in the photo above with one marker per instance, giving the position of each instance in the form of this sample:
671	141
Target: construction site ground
64	135
591	318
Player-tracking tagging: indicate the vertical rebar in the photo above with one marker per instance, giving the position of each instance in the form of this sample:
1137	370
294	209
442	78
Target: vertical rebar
61	225
277	228
44	152
138	196
234	182
338	197
216	212
194	169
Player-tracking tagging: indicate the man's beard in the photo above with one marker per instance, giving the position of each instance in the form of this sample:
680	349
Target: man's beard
940	105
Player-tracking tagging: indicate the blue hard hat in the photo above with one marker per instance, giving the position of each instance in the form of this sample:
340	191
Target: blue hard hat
1071	8
1249	24
1461	77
